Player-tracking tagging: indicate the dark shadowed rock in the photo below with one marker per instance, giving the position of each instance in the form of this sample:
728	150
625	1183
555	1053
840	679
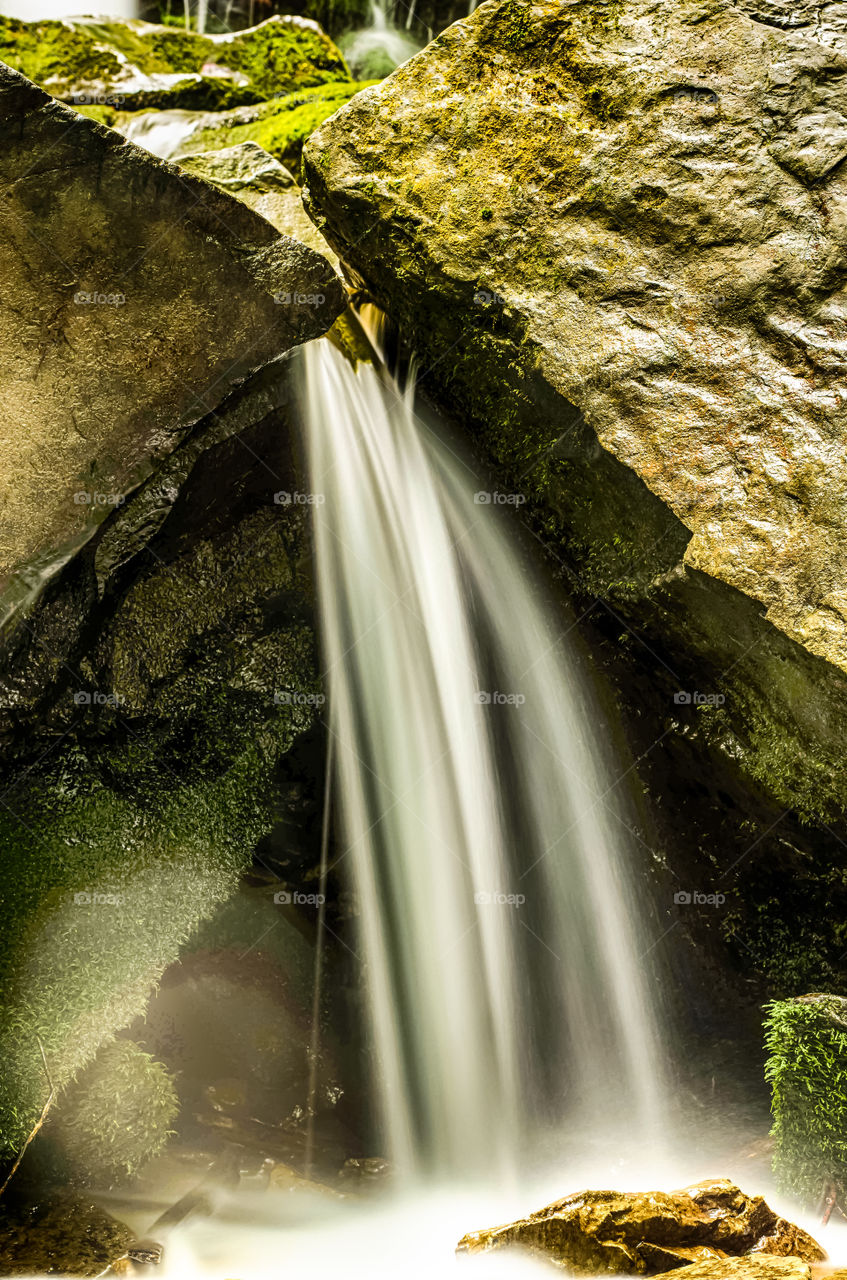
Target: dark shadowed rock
650	1231
135	297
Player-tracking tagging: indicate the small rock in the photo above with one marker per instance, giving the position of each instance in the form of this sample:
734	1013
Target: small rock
651	1232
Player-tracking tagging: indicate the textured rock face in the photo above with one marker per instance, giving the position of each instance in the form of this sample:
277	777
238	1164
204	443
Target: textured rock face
251	174
757	1266
135	297
596	226
143	717
650	201
649	1232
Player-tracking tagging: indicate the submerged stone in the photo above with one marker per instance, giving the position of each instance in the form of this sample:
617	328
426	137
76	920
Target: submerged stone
650	1232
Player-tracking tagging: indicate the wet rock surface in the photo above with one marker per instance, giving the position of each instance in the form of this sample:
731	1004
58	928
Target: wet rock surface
138	64
141	260
251	174
758	1266
599	230
66	1235
651	1232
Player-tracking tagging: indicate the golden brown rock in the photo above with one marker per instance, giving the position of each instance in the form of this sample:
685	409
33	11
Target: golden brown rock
651	1232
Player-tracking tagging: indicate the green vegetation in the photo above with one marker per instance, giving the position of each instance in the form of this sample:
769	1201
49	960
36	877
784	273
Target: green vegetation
806	1041
131	834
117	1114
282	126
278	56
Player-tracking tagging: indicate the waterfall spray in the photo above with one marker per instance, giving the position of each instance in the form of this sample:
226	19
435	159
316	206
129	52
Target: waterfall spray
488	847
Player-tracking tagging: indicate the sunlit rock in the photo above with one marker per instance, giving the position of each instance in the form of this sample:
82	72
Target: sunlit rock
248	172
106	250
652	1231
755	1266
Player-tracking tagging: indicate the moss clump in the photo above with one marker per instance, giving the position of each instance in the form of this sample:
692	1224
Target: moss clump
118	1114
282	126
806	1041
279	55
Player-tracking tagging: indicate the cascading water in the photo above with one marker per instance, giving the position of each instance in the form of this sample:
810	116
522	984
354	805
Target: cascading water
375	50
488	850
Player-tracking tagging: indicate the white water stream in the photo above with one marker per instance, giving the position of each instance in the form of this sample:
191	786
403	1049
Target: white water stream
501	939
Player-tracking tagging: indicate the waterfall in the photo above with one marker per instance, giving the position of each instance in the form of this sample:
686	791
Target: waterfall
481	825
375	50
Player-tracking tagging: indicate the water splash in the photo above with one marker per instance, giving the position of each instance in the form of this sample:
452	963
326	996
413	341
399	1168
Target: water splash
482	828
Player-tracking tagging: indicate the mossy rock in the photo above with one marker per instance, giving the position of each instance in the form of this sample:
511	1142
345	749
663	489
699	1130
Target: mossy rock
281	127
806	1041
117	1115
88	58
132	820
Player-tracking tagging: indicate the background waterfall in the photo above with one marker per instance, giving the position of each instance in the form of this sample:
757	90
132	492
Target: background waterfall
501	944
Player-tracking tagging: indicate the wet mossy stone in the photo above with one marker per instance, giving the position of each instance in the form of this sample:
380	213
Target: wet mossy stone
116	1115
281	127
91	59
130	813
65	1235
806	1042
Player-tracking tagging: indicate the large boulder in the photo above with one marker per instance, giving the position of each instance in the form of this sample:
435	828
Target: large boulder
135	297
650	1232
616	237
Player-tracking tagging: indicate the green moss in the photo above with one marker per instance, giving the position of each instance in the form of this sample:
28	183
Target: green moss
282	126
117	1115
278	56
115	851
806	1041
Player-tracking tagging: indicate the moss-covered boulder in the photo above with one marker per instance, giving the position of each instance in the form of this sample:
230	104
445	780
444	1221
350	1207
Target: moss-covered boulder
139	64
141	729
599	228
281	127
107	250
806	1040
66	1235
638	1233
